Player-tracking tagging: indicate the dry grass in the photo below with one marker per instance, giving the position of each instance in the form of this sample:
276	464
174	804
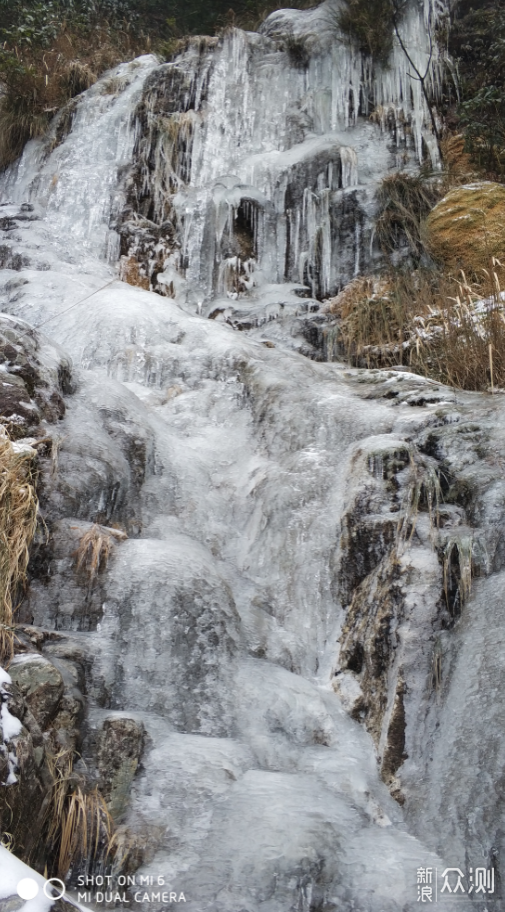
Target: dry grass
114	86
46	79
460	340
60	767
467	227
94	550
79	826
130	272
18	522
441	326
123	846
86	830
373	320
352	295
20	120
404	202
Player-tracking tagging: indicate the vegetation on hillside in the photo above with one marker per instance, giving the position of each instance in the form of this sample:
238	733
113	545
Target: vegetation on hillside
370	25
18	521
404	202
439	305
436	323
51	50
477	46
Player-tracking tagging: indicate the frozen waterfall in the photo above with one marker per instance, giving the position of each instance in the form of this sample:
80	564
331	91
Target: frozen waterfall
260	490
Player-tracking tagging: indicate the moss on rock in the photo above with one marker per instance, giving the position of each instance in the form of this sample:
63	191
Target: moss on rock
467	227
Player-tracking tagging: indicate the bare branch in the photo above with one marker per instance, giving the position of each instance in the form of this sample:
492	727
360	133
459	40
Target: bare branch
419	76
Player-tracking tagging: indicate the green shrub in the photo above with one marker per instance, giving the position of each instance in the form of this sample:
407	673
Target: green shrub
369	24
477	44
47	59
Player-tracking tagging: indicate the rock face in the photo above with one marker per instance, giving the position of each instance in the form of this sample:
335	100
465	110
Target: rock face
41	685
267	675
120	748
34	376
24	803
289	198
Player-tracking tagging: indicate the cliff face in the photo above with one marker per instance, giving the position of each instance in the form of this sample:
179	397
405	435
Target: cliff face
257	613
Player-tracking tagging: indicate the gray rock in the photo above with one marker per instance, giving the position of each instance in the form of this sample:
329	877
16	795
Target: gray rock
120	748
40	683
11	904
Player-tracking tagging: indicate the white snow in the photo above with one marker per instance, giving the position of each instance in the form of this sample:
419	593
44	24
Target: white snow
10	728
12	871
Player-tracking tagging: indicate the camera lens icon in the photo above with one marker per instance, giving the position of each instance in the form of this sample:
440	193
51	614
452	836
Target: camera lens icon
28	888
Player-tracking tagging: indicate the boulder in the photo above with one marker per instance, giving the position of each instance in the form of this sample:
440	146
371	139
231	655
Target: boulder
41	685
119	751
25	795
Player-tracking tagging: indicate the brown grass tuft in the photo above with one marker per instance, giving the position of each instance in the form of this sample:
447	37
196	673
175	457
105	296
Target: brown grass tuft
373	320
18	522
464	336
86	830
441	326
404	202
44	80
77	77
94	550
78	824
130	272
467	227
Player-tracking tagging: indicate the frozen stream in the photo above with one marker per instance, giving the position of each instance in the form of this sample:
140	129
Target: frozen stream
232	462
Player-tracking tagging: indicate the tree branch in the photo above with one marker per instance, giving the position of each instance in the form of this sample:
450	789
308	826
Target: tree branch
420	77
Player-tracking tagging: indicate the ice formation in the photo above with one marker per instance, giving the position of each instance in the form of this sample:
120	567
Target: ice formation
254	157
10	727
231	180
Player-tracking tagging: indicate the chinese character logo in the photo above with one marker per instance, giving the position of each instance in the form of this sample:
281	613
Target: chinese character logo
484	880
452	881
431	884
424	885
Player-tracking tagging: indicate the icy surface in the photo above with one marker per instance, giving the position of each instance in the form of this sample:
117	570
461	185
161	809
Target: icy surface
10	728
231	464
75	183
298	155
218	622
12	871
